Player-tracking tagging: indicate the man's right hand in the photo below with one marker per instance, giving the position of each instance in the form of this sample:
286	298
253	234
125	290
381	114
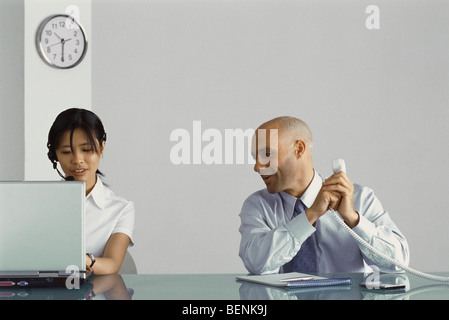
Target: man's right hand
324	201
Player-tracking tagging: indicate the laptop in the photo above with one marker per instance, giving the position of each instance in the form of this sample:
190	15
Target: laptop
42	234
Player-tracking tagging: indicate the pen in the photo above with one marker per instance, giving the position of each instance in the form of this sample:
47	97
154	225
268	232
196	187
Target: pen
297	279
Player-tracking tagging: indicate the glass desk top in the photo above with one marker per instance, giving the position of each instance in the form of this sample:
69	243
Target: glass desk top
226	287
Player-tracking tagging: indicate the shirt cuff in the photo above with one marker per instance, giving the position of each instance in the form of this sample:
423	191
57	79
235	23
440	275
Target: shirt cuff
365	228
300	227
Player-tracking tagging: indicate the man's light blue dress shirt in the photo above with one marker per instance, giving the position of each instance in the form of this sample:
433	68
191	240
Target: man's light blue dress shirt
271	237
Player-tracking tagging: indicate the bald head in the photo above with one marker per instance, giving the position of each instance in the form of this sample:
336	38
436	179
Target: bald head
291	128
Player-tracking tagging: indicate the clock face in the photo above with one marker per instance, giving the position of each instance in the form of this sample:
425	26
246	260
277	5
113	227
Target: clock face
61	41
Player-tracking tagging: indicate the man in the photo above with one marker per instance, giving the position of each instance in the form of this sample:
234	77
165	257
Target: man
285	227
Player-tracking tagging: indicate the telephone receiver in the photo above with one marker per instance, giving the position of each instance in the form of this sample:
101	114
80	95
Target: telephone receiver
339	165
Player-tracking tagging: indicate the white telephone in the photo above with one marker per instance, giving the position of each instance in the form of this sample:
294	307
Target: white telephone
339	165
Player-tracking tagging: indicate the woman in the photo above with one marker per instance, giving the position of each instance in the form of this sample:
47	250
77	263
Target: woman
77	140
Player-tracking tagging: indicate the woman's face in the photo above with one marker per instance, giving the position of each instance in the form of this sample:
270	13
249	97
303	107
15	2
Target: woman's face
83	162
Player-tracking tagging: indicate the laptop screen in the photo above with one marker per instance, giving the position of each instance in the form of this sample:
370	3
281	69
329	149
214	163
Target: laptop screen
41	226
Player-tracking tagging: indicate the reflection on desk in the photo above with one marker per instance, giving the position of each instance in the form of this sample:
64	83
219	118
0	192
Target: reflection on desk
226	287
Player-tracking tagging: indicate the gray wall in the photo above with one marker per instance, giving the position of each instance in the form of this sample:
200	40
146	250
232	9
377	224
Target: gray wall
377	98
12	149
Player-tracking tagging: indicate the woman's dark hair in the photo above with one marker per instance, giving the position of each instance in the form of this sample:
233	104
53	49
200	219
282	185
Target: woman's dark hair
70	120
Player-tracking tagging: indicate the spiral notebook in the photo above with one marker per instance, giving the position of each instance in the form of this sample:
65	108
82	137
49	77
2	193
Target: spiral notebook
295	280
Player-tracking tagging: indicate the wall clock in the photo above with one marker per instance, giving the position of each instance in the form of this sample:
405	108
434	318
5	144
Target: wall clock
61	41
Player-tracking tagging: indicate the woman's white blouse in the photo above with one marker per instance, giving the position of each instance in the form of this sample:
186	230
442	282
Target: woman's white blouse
106	214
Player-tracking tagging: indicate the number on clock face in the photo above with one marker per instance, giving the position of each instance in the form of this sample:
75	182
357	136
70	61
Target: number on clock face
61	41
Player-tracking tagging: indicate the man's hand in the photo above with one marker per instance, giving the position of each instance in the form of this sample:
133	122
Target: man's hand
337	192
323	201
339	183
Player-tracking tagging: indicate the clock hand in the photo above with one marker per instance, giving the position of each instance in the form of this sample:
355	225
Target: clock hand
54	44
58	36
63	41
62	46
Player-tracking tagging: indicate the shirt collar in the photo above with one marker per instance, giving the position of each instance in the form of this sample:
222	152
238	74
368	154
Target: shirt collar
307	198
97	193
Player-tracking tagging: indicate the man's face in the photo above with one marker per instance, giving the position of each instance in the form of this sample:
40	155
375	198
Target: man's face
274	157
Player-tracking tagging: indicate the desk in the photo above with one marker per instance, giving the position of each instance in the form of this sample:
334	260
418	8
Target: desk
224	287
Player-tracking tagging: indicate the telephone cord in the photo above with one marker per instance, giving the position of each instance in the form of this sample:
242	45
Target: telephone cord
384	256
